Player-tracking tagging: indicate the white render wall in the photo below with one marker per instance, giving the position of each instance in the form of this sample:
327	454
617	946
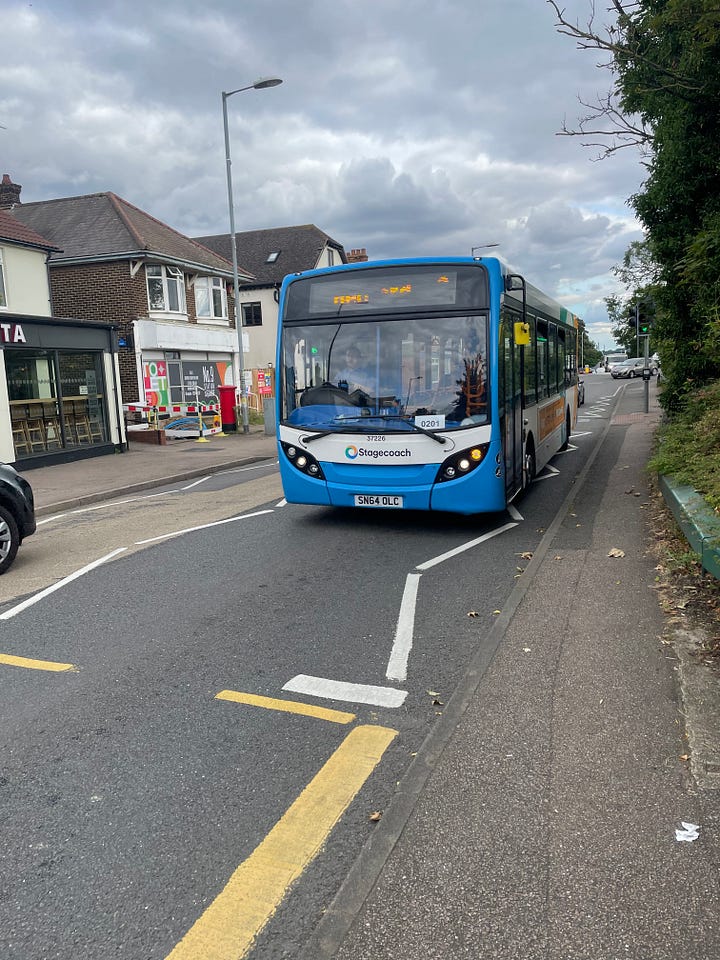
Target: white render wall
26	281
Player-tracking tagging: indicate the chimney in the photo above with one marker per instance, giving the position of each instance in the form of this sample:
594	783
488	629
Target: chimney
9	193
359	255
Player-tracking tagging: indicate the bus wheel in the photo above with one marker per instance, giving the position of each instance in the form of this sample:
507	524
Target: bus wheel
529	465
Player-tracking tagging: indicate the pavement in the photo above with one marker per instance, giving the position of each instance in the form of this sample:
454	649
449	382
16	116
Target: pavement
143	466
539	821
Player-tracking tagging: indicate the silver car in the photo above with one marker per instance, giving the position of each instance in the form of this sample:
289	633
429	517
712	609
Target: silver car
632	368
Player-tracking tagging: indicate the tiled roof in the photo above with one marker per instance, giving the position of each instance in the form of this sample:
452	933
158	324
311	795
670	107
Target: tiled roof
13	230
298	249
101	226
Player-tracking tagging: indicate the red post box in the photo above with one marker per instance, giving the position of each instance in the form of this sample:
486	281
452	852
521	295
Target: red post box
227	408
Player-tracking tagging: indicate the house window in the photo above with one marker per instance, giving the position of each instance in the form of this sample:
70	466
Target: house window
211	298
251	314
166	290
331	258
3	297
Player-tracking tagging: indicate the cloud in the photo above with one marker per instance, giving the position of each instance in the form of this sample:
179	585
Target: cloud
422	129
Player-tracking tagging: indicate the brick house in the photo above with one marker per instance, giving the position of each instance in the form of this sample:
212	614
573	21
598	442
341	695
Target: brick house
169	297
270	255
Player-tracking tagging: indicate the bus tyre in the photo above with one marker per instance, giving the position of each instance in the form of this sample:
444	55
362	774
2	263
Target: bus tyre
529	465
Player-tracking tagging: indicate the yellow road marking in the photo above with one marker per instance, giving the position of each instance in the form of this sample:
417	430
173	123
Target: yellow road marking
34	664
228	927
287	706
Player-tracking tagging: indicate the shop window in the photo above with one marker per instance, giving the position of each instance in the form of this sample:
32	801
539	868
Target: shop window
56	398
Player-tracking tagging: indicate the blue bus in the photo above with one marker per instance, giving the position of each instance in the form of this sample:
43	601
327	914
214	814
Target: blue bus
425	384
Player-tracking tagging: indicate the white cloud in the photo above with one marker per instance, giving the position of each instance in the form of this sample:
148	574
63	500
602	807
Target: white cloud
408	130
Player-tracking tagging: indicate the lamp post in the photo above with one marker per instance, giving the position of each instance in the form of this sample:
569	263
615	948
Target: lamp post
260	84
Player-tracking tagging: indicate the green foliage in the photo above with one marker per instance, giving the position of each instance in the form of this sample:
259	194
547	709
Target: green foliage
689	443
669	74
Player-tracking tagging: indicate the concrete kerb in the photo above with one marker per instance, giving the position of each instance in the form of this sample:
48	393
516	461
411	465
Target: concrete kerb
700	526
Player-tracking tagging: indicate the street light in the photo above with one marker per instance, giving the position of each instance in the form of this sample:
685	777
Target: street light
260	84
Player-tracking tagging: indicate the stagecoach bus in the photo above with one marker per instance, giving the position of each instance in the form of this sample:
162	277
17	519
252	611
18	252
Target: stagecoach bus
426	384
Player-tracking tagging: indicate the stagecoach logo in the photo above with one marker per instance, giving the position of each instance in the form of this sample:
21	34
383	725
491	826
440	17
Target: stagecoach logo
376	453
11	333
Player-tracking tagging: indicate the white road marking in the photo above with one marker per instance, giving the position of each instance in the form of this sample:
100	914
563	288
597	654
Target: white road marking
281	503
350	692
203	526
514	512
465	546
397	665
197	482
61	583
551	472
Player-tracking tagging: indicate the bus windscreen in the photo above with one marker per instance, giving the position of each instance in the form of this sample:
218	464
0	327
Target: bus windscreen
388	290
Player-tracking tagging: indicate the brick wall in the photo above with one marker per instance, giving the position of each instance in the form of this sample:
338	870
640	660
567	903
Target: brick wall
106	293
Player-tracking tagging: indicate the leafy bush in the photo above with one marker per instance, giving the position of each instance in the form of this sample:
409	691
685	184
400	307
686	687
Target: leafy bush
689	444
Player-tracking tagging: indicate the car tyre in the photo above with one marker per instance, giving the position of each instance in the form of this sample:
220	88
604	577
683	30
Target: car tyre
9	539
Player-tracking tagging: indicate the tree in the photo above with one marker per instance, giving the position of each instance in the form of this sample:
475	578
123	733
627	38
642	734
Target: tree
664	57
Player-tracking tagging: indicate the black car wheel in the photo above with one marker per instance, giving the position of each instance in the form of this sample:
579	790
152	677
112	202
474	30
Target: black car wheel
9	539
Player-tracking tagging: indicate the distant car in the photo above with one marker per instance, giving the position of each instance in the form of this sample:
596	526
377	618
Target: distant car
17	513
581	392
632	368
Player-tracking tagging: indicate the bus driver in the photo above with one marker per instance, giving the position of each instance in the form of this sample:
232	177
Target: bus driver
356	374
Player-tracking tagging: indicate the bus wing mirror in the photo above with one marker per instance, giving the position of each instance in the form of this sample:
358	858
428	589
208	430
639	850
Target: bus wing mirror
513	281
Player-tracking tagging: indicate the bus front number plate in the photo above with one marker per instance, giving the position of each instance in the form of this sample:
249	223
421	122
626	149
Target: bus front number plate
377	500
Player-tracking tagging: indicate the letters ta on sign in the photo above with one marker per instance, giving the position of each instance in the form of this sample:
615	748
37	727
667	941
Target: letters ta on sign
11	333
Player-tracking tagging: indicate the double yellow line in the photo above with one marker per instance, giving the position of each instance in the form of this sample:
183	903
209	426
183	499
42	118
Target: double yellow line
229	926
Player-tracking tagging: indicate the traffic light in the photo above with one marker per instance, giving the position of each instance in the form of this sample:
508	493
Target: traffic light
644	321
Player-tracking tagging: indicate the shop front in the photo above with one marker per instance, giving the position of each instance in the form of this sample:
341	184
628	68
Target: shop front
59	397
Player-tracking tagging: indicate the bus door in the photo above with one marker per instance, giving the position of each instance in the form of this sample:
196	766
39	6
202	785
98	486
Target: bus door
511	413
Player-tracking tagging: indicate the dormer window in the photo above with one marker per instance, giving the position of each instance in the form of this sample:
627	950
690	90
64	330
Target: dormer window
272	257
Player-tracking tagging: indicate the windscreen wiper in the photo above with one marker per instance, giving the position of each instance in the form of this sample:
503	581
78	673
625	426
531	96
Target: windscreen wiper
392	416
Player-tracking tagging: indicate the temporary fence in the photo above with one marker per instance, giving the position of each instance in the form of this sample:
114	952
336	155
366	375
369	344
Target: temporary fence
180	420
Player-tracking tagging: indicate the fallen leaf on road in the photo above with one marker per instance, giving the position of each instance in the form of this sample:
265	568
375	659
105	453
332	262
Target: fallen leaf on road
375	816
685	756
473	613
495	612
615	552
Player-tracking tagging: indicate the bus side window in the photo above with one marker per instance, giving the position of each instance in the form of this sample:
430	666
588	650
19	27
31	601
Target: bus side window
542	358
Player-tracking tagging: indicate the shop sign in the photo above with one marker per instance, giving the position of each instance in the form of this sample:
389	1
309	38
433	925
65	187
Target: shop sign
11	333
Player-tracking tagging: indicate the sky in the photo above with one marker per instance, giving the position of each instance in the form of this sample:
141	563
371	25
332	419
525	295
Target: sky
408	127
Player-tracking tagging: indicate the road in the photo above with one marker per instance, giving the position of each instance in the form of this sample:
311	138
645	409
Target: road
209	698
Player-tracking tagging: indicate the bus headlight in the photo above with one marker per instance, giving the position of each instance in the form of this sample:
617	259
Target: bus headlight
303	461
462	463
